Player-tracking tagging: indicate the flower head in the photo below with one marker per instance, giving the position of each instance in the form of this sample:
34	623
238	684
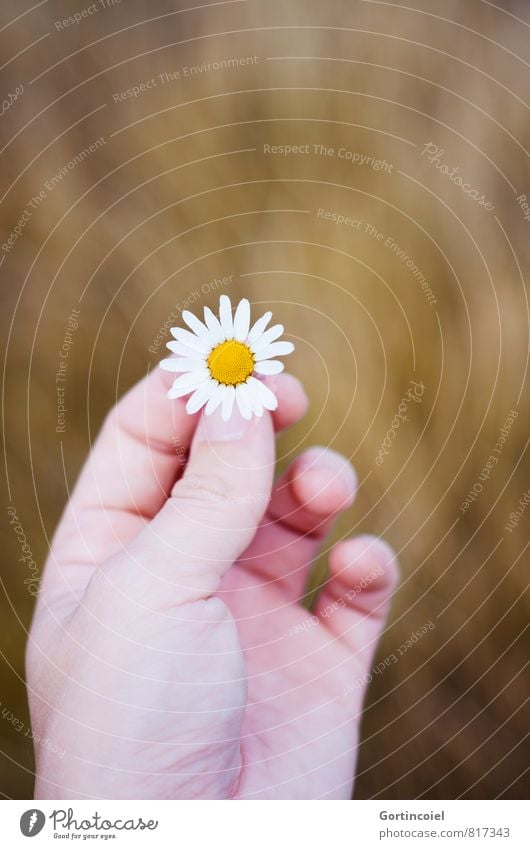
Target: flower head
221	360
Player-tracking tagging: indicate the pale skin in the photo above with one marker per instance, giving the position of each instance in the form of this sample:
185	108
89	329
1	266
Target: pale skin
170	657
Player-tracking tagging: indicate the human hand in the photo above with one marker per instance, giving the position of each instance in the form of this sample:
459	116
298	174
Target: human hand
170	656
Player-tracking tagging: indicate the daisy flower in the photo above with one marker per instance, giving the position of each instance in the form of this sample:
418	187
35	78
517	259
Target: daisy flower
221	360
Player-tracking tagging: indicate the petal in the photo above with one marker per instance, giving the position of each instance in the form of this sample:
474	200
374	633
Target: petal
183	387
266	338
228	402
276	349
182	364
200	397
183	350
269	367
265	395
179	393
225	316
257	405
258	328
171	364
214	326
190	340
243	401
192	379
242	320
196	325
216	399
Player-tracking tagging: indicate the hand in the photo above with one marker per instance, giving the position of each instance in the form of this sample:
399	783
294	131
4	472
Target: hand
169	655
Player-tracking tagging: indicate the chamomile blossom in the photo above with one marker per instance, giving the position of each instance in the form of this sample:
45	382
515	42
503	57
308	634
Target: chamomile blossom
221	360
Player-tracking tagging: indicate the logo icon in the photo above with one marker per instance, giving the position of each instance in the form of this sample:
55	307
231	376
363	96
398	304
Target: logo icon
32	822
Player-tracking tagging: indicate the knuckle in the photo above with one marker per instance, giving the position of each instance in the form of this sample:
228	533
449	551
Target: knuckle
202	488
219	503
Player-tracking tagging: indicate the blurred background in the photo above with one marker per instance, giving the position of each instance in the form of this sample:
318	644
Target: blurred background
148	165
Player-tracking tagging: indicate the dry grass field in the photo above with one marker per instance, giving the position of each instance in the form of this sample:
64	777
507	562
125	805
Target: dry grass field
389	273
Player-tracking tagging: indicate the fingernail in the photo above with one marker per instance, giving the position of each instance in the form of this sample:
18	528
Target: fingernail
349	479
214	429
337	464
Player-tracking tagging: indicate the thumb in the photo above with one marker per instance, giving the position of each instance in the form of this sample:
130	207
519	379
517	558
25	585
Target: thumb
213	511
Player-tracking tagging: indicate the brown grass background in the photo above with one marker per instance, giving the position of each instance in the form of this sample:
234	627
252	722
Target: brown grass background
168	204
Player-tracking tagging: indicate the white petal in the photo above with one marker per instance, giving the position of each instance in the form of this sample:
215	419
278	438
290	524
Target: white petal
269	367
179	393
182	386
171	364
200	397
216	399
276	349
214	326
257	405
265	395
258	328
182	364
228	402
179	348
192	379
242	320
266	338
190	340
196	325
225	316
243	401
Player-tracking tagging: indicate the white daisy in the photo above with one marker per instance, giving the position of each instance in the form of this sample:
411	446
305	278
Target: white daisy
222	359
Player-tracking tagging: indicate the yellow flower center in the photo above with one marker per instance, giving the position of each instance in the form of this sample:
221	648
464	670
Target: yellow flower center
231	362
